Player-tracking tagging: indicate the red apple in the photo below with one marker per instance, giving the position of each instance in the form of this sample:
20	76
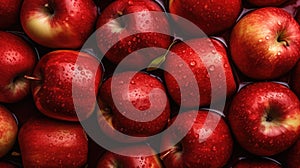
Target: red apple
59	23
256	163
261	3
17	59
265	118
293	156
9	13
8	131
199	63
46	142
138	105
65	84
124	27
212	17
7	165
208	142
265	43
136	156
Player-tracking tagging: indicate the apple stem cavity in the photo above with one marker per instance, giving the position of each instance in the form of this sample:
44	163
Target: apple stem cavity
156	63
281	40
32	78
49	9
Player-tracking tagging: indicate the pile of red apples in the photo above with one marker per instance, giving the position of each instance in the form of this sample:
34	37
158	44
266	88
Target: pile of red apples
150	83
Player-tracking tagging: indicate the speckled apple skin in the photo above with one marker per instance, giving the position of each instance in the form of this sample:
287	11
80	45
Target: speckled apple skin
247	118
207	65
17	58
46	142
69	79
193	151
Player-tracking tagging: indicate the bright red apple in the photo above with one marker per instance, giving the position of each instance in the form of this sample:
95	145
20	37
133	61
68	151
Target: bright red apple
9	13
65	84
201	63
124	27
17	59
8	131
256	163
59	23
46	142
261	3
265	43
265	118
135	158
208	142
138	105
212	17
293	155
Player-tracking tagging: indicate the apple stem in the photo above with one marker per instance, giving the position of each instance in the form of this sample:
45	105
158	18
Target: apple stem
172	150
32	78
156	63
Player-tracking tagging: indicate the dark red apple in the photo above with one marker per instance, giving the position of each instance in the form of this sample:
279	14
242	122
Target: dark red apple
9	13
8	131
138	105
135	158
261	3
46	142
208	142
295	80
265	43
65	84
199	63
59	23
265	118
256	163
125	27
212	17
6	165
17	59
293	155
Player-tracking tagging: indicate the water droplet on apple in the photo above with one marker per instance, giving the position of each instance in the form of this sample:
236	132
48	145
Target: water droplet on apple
211	68
267	37
193	63
279	53
279	23
214	51
260	40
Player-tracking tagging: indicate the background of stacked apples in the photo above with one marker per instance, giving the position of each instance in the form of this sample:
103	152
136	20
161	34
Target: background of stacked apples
50	80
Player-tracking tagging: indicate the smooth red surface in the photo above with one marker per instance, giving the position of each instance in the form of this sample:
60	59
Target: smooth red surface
212	17
51	143
76	17
9	13
257	43
293	156
252	163
8	131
